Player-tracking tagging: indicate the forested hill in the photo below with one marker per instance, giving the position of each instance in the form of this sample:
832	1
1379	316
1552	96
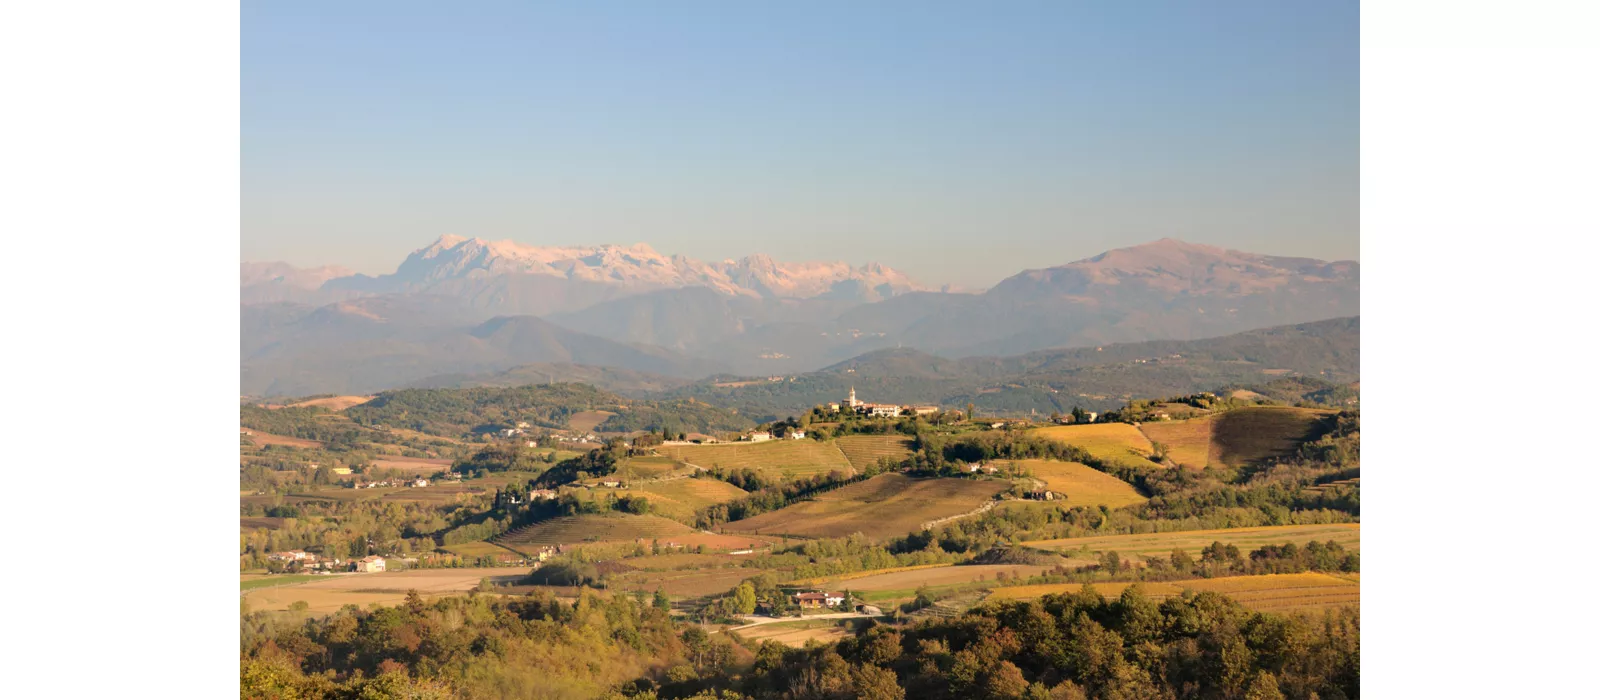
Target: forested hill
1325	353
464	411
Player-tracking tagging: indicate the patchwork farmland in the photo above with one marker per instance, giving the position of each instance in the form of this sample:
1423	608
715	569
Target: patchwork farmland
885	506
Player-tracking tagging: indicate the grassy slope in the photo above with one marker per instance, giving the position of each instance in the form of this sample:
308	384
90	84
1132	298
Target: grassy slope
580	529
1082	485
1120	443
789	457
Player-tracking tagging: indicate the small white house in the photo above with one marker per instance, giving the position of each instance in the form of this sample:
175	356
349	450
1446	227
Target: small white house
797	435
419	483
761	436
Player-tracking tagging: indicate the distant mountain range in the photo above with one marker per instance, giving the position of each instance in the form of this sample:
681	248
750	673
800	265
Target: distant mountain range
467	307
1319	355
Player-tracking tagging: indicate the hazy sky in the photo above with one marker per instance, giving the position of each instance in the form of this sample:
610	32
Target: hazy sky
959	142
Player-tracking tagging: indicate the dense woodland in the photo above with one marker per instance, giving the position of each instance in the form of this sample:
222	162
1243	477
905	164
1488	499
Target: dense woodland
1063	646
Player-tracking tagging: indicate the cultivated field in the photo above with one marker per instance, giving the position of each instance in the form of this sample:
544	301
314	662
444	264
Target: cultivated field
480	549
334	403
1119	443
581	529
586	421
1269	593
1189	442
865	450
1347	535
329	593
798	633
647	467
413	465
263	439
937	576
684	497
1247	435
1082	485
885	506
789	457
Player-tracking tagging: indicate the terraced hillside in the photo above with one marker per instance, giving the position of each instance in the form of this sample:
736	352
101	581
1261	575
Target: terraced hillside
1118	443
582	529
885	506
791	458
1269	593
866	450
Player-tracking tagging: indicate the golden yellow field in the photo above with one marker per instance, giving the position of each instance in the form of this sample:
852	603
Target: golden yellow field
263	439
1269	593
328	594
885	506
1120	443
789	457
1347	535
684	497
798	633
865	450
334	403
649	467
817	581
1082	485
1188	442
586	421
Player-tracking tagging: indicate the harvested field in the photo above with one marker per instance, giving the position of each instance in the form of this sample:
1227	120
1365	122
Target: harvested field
586	421
247	583
789	457
796	634
253	523
580	529
1269	593
939	576
414	465
865	450
329	593
1082	485
1119	443
885	506
334	403
261	439
1347	535
1248	435
1189	442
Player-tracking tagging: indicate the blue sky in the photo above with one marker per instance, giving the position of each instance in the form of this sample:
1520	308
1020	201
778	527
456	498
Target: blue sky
959	142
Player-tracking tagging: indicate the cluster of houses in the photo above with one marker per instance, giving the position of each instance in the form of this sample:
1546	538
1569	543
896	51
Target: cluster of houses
818	599
312	562
880	410
416	483
763	436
